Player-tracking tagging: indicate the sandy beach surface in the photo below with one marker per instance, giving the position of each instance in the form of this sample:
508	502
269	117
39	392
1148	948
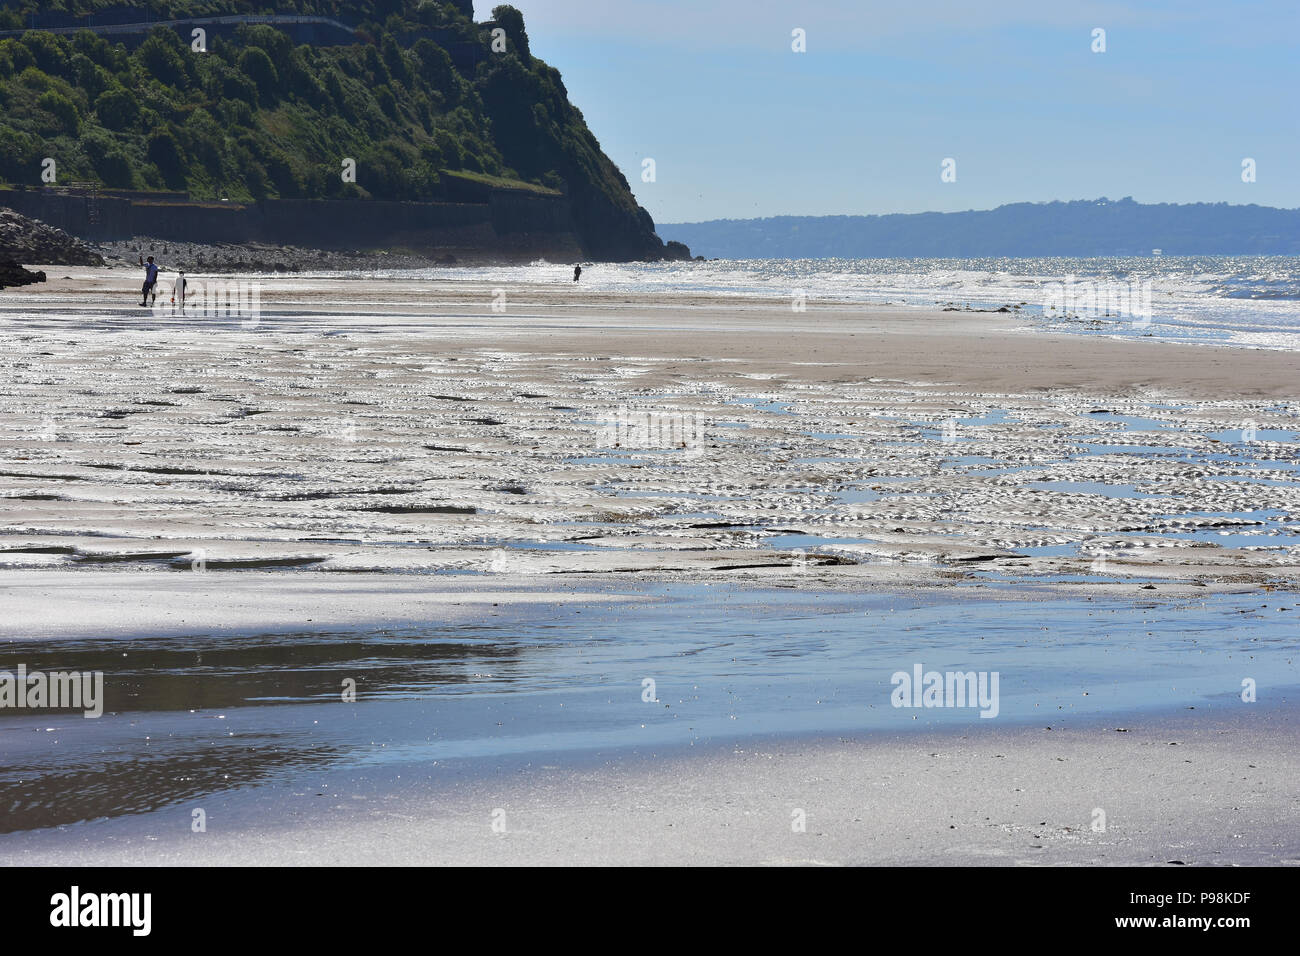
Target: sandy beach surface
502	509
397	426
1216	790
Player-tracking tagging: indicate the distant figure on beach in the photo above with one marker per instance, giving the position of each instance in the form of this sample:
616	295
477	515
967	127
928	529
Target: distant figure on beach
150	280
178	294
577	271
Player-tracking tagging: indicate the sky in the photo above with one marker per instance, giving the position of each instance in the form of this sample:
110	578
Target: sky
739	125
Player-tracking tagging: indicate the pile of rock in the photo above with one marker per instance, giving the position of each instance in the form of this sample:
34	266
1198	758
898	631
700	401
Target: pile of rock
32	241
11	273
228	257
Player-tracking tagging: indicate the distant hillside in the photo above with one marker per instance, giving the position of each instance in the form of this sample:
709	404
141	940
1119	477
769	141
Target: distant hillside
1094	227
410	89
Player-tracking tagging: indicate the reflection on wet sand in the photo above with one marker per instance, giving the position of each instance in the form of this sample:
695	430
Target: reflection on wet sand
207	715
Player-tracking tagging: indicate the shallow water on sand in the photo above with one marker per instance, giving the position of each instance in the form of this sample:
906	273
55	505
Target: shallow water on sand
198	715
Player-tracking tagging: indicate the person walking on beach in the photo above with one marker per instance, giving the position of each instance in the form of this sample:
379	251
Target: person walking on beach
150	281
178	293
577	271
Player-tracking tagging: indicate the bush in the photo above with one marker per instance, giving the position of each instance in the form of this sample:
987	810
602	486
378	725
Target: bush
49	53
282	175
436	68
512	21
395	60
254	175
20	156
62	109
90	78
204	140
117	108
34	79
275	43
387	101
93	47
257	66
162	57
116	170
164	151
19	55
237	112
96	144
235	86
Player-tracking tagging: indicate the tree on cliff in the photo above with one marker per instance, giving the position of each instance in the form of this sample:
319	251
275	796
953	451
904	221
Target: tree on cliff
512	21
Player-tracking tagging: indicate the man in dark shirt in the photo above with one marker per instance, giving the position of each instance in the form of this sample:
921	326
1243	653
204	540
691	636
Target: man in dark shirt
150	281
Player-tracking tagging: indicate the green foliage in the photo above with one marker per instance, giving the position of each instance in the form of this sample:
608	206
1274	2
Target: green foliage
20	157
436	70
161	57
257	116
117	108
256	66
164	151
512	21
18	54
49	53
116	170
90	78
63	110
93	47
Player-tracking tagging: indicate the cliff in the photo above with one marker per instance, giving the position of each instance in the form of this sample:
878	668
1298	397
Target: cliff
395	100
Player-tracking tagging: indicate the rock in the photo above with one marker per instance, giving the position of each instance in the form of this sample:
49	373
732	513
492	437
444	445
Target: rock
675	251
30	240
12	274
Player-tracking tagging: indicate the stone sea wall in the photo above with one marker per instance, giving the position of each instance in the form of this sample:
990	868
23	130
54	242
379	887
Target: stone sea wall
507	222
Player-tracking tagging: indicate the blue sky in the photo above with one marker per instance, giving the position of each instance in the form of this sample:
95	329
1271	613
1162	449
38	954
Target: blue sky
741	126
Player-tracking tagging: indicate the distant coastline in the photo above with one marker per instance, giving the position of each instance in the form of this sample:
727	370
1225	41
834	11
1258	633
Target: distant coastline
1083	228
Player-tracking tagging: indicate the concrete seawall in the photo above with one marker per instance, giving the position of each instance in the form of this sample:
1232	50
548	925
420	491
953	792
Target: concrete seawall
507	223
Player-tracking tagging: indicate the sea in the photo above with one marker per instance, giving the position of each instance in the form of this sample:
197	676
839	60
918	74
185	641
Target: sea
1244	301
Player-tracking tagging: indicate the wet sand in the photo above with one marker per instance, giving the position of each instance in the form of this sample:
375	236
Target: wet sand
401	426
1211	791
376	454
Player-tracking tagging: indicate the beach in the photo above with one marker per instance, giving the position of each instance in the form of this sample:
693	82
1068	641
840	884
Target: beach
500	508
1194	793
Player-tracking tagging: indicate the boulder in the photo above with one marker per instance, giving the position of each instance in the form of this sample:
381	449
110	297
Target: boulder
12	274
